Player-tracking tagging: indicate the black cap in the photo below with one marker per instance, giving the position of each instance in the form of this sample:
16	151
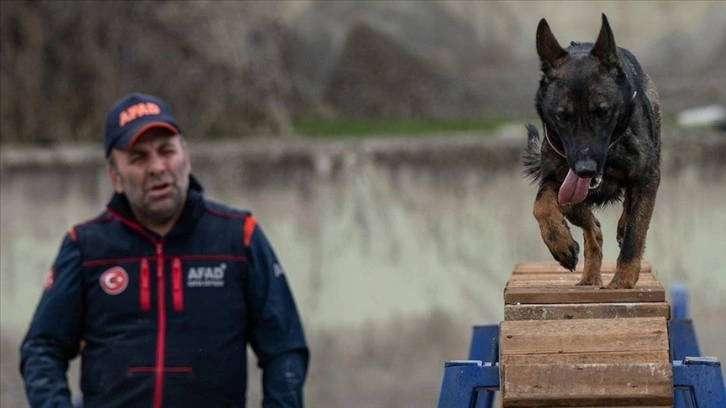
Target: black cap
133	115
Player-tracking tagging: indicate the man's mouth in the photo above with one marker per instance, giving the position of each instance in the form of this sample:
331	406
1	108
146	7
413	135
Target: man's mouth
159	188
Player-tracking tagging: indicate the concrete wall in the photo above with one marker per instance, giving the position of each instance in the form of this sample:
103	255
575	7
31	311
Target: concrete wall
394	248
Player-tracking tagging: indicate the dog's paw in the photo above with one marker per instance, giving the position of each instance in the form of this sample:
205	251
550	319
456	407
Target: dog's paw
590	281
567	257
626	275
620	284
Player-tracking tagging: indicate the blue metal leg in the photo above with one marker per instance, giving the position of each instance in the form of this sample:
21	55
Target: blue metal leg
683	340
701	377
683	344
485	343
485	346
462	381
679	301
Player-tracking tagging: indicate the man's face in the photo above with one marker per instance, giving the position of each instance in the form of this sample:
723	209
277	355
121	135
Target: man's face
154	176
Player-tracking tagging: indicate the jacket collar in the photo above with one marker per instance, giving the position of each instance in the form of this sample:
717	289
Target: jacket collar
194	207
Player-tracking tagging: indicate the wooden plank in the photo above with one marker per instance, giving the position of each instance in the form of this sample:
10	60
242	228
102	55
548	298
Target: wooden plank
540	385
552	286
552	266
581	294
571	279
586	311
582	335
618	357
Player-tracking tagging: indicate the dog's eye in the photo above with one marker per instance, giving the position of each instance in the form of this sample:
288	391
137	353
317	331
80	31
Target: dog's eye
563	116
602	112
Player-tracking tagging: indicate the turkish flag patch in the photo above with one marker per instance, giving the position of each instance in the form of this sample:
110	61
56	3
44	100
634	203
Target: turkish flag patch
114	281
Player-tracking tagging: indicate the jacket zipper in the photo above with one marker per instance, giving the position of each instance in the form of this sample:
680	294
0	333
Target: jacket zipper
161	309
161	327
176	283
145	298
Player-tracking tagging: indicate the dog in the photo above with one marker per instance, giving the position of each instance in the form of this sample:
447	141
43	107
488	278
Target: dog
601	118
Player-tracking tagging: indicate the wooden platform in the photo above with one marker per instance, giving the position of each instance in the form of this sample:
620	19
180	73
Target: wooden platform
567	345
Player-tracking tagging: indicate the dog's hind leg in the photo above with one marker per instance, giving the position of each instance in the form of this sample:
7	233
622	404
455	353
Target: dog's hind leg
636	221
582	216
553	226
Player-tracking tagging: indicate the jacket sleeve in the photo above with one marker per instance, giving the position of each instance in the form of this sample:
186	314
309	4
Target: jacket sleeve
55	332
276	333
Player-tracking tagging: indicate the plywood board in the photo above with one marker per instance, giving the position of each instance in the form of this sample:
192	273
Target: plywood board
613	357
581	294
586	311
538	385
552	279
560	287
552	266
583	335
585	362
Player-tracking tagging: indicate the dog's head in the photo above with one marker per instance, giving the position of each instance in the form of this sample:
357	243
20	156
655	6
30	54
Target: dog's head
583	99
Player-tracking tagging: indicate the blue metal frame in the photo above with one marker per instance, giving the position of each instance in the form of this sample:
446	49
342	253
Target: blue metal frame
683	344
697	381
485	347
463	381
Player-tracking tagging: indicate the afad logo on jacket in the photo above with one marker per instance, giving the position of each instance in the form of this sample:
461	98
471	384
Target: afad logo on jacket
114	281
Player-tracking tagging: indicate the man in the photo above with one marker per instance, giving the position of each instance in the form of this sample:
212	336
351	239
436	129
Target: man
162	291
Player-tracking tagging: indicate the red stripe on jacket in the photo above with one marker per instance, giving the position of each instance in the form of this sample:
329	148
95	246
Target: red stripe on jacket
249	228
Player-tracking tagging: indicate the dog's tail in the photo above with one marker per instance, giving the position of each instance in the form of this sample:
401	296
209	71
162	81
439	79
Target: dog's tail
532	155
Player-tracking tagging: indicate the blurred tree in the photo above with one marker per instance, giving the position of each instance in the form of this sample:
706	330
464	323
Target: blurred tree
62	64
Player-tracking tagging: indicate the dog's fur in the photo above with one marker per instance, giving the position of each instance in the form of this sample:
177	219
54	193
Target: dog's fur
601	111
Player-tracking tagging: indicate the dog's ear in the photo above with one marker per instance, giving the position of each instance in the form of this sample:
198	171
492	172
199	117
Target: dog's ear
549	50
605	49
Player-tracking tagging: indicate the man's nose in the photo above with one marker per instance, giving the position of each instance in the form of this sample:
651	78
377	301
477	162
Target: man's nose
156	164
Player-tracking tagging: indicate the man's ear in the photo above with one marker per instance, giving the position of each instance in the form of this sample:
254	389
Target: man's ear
115	178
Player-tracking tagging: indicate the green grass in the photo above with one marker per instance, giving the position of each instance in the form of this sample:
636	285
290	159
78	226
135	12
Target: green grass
324	128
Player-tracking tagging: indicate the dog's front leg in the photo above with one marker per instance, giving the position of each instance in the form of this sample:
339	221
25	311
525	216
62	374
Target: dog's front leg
636	217
622	221
582	216
553	227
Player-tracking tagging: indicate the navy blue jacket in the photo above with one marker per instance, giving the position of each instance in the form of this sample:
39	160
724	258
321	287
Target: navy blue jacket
165	321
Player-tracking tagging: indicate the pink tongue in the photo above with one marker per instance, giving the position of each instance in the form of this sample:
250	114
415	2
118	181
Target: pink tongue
574	189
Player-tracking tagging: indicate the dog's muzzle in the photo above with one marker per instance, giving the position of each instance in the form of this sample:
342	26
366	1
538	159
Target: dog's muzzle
595	182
